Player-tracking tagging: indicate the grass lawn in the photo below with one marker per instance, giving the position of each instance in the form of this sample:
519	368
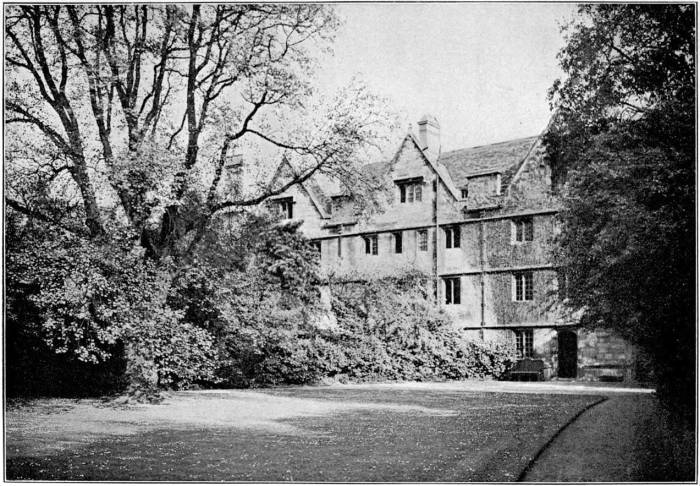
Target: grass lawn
288	434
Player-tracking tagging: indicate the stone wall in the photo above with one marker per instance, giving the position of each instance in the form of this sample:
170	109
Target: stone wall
304	210
604	356
354	261
600	355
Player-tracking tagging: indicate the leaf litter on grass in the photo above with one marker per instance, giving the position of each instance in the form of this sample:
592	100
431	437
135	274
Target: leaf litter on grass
308	434
58	424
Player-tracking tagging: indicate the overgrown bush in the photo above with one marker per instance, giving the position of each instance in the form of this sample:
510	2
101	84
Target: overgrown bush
99	308
245	311
396	334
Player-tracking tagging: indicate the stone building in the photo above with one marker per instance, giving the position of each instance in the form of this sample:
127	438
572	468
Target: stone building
479	221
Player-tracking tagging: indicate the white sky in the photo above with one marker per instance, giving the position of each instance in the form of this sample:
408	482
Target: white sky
482	69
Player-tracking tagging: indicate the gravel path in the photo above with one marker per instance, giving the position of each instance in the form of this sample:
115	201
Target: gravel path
626	438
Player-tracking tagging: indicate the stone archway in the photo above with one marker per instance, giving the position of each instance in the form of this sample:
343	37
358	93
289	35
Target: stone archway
567	354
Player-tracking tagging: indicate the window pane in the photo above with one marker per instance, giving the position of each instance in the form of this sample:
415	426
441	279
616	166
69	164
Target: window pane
528	286
448	237
518	286
518	231
448	291
367	246
528	348
457	291
419	192
529	230
409	189
340	247
423	240
398	243
456	237
374	245
519	343
562	284
402	188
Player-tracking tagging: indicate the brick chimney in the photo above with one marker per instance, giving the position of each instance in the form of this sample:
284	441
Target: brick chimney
429	136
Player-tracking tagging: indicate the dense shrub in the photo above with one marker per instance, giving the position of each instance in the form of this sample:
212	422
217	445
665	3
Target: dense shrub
97	308
395	334
87	317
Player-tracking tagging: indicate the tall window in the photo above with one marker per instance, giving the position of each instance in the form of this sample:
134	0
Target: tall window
522	230
285	207
452	291
522	286
423	240
562	284
411	191
465	193
398	242
523	343
452	237
371	245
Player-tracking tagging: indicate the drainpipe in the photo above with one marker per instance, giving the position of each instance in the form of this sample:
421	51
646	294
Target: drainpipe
435	240
482	274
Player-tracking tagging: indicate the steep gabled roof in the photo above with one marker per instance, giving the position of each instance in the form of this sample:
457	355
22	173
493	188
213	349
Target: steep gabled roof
503	157
319	199
441	171
343	213
453	168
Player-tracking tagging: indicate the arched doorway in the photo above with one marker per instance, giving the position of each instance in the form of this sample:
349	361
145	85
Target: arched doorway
567	354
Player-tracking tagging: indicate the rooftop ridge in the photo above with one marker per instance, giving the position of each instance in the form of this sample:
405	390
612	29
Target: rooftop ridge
502	142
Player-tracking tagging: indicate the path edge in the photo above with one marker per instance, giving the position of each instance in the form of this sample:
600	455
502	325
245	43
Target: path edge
533	460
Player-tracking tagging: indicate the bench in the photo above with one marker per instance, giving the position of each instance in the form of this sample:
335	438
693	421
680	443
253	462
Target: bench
528	369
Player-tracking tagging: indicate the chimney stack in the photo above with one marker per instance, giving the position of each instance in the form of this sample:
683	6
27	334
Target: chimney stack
429	136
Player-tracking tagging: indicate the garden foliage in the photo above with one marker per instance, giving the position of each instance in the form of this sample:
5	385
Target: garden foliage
623	149
247	310
98	305
380	329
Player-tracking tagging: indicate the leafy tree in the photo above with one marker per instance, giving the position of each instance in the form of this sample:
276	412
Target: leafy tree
143	106
97	305
124	123
622	147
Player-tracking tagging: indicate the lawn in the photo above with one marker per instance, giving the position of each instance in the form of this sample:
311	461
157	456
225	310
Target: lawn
288	434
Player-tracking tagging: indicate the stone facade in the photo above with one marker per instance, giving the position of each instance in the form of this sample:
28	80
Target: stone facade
480	221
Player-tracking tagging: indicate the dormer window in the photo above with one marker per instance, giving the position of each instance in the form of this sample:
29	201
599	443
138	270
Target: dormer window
410	190
338	202
285	207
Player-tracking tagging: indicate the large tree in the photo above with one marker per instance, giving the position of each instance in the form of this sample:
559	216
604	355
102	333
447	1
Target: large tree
622	147
146	105
122	124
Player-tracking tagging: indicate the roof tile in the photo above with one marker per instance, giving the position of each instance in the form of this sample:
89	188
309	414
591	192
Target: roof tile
498	157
